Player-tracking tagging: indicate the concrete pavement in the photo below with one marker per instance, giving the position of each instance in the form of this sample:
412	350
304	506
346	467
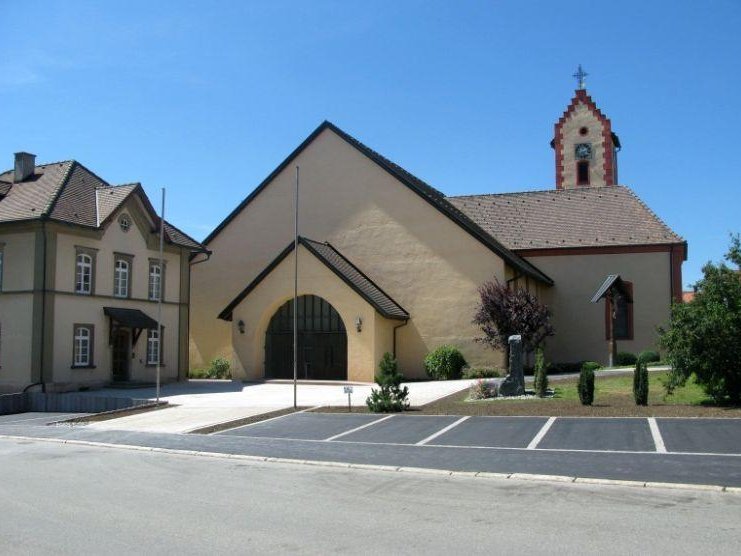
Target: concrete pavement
202	403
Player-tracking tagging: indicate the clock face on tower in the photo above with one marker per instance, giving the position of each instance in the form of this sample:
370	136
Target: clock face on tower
583	151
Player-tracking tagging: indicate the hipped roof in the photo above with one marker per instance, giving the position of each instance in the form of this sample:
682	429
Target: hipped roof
69	192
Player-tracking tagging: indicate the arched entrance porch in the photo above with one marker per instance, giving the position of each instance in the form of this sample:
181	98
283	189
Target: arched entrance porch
322	341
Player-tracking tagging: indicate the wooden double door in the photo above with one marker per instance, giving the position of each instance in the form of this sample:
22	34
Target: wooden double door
322	342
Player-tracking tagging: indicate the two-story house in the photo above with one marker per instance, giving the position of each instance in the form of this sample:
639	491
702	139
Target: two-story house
80	281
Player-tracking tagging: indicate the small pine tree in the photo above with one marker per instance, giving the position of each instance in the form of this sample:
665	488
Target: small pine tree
391	396
640	383
586	386
541	373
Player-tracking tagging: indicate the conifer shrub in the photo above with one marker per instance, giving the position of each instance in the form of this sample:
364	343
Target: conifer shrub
540	373
640	383
390	397
586	386
593	365
444	363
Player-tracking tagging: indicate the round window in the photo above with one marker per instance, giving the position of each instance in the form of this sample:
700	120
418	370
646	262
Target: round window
125	222
583	131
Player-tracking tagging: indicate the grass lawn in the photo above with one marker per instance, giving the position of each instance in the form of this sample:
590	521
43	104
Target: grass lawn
613	397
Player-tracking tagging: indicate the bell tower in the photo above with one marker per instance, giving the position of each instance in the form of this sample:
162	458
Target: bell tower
586	148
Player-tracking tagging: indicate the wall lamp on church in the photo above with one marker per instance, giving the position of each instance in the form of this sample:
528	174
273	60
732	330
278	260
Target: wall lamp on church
358	323
240	326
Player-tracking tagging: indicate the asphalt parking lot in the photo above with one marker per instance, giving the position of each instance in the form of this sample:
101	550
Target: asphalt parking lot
644	435
644	450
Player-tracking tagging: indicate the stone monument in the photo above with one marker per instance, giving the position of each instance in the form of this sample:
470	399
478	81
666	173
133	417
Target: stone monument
514	382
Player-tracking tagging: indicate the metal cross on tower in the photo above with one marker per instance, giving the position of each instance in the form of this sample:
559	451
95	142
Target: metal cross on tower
580	76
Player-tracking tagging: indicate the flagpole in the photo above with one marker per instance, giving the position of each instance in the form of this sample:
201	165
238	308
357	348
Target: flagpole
159	300
295	293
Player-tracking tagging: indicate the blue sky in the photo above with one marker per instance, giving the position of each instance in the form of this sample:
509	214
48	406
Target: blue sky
206	98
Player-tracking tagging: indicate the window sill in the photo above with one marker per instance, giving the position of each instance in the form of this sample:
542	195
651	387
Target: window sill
83	367
84	293
154	365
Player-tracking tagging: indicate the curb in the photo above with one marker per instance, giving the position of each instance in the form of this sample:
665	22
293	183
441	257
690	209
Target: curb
391	468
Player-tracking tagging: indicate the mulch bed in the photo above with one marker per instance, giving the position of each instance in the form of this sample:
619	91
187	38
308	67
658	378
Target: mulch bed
605	405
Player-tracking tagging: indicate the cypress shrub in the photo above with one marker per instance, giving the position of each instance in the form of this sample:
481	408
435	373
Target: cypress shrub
586	386
640	383
541	373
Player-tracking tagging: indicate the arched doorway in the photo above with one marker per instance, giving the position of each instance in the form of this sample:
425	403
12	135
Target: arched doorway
322	341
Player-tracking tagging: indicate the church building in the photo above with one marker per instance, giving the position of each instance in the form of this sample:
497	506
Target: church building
387	263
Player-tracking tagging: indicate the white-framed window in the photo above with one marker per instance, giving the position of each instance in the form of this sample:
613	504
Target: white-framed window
121	273
154	355
155	281
84	274
82	350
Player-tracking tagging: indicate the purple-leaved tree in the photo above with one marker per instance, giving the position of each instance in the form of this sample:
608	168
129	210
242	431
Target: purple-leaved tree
502	312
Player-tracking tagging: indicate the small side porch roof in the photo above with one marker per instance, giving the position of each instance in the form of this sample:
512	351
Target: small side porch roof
612	282
342	267
131	318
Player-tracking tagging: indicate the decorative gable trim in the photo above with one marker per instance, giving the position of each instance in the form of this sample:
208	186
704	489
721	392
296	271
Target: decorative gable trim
608	162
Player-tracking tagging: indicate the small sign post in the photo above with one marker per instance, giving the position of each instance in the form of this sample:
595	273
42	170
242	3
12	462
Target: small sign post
348	391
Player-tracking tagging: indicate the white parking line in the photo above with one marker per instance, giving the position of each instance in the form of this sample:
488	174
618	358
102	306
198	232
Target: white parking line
441	431
541	433
361	427
656	434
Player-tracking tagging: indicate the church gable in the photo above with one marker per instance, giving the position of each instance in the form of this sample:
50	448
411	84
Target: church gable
429	194
585	146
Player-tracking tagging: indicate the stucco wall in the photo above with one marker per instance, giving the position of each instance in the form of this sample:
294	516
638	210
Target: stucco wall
16	310
364	348
580	324
70	310
18	260
422	259
114	240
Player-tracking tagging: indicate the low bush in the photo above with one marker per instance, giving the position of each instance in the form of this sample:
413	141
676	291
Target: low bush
541	374
625	358
586	386
219	368
481	372
649	356
569	367
391	396
444	363
483	390
593	365
640	383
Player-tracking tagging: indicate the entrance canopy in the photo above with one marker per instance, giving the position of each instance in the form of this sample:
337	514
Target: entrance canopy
130	318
